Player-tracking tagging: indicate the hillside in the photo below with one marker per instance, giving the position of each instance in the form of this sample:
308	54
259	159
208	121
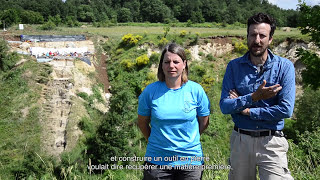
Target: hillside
56	119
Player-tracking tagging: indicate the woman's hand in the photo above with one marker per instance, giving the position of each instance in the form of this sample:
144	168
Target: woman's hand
203	123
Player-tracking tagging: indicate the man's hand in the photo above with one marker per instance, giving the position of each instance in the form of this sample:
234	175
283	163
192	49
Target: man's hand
234	94
246	112
265	92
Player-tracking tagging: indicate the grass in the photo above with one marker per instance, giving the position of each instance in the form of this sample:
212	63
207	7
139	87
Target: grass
117	32
19	118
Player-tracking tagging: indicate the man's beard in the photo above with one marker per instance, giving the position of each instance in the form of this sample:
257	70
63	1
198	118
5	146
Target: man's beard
257	54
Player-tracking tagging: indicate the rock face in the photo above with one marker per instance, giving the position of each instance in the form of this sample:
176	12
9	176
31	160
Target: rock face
59	117
57	106
215	49
62	109
288	49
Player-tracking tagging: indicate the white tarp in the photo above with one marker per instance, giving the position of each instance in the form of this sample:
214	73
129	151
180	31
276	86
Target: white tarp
40	51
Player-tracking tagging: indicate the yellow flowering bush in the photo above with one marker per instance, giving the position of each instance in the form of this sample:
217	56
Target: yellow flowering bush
142	60
183	33
163	41
130	39
207	82
240	47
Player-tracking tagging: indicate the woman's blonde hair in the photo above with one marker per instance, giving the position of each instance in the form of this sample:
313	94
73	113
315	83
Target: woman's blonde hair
176	49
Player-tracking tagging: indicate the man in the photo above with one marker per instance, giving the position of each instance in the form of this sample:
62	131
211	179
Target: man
259	92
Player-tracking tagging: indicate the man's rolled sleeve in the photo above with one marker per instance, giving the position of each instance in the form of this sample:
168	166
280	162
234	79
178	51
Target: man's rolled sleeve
231	106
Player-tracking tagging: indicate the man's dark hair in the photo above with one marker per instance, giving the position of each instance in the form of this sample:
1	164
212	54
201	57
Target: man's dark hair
262	18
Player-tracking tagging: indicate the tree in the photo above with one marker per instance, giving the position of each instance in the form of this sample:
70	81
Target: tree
10	17
134	7
85	13
310	24
210	11
154	11
31	17
233	12
308	110
309	21
7	60
292	18
188	9
124	15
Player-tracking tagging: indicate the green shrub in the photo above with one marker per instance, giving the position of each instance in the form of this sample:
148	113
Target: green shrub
7	59
188	54
48	26
142	60
119	51
71	21
55	19
128	64
300	164
151	77
86	125
308	111
210	57
312	62
310	143
189	23
154	58
83	95
166	31
97	93
199	70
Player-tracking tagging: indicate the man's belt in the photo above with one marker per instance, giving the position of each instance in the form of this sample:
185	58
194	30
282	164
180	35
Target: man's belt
260	133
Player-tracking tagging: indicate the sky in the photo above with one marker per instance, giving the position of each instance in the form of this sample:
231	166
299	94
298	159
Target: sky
292	4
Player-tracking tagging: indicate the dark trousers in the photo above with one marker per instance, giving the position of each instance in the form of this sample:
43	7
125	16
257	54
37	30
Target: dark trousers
171	174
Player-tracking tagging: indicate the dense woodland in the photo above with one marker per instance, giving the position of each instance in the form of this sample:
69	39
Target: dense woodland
165	11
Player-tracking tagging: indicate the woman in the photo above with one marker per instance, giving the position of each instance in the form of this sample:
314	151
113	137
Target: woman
178	111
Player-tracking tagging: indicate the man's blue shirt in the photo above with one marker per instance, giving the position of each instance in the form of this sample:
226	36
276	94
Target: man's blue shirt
245	78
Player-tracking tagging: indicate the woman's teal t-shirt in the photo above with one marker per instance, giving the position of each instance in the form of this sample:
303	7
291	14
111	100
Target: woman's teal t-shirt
175	137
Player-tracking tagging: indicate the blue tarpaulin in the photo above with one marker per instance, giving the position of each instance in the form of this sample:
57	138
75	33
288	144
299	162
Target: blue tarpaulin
44	59
86	60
